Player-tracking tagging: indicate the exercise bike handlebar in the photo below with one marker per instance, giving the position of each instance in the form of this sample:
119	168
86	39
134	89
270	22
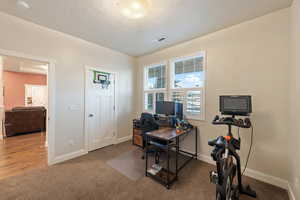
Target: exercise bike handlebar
246	123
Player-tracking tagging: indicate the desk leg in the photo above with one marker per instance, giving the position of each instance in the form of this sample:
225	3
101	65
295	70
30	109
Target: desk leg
177	152
146	155
196	138
168	166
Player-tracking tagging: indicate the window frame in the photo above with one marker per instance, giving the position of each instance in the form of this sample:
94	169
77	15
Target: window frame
172	89
154	91
169	83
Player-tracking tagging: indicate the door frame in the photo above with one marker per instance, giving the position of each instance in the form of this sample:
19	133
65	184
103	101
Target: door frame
86	73
50	133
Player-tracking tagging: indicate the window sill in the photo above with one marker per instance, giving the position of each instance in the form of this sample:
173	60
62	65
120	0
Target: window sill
195	119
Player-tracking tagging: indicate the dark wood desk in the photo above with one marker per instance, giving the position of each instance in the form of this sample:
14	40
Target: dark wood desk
171	137
166	133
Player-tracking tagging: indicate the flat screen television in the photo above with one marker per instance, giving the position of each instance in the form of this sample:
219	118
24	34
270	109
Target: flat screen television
235	105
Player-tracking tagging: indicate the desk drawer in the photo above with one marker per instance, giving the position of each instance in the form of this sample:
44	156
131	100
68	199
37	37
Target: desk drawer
137	132
138	140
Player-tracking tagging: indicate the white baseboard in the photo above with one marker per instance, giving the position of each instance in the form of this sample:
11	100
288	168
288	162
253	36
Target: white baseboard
290	192
253	174
123	139
279	182
82	152
68	156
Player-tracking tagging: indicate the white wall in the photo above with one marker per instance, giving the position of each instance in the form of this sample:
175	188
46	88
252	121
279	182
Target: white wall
249	58
71	55
294	131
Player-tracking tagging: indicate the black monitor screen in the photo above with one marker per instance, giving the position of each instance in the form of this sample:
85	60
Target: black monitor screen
235	105
165	107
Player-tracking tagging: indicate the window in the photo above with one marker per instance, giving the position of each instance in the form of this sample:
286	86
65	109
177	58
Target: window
156	77
187	83
184	83
154	86
188	73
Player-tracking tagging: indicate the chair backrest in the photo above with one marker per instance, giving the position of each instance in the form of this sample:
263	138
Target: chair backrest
148	122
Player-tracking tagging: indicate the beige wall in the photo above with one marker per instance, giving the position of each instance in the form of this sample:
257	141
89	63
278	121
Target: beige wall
250	58
71	55
294	131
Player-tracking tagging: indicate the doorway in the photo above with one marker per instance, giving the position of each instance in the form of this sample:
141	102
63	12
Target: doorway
31	140
24	125
100	108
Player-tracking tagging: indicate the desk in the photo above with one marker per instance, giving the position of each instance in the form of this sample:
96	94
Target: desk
171	137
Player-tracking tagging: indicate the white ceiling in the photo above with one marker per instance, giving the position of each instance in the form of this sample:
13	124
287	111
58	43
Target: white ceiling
100	22
15	64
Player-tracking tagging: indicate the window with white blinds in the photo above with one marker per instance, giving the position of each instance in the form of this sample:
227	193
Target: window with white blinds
154	86
181	80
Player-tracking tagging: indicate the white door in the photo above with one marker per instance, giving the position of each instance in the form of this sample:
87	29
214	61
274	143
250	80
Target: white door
36	95
100	110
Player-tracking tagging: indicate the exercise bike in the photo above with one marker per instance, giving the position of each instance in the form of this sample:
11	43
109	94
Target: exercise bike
228	175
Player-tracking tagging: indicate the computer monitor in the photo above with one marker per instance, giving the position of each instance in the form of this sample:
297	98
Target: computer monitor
169	108
235	105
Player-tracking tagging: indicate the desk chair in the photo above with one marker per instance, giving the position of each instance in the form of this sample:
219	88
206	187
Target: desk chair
148	123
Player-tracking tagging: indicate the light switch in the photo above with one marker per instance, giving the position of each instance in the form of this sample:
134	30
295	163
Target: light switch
74	107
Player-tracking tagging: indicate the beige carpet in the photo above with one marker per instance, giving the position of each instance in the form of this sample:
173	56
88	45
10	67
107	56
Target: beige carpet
90	178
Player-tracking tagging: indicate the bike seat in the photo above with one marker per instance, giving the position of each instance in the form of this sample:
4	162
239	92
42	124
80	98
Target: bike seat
218	142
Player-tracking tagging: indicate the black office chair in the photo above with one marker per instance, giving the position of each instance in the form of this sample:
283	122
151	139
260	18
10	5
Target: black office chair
148	123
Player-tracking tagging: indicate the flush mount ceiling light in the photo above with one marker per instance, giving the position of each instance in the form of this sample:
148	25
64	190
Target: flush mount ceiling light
23	4
134	9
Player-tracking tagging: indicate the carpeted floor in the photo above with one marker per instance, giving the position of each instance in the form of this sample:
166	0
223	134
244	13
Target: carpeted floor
91	178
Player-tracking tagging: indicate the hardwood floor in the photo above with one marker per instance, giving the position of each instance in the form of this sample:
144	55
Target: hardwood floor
22	153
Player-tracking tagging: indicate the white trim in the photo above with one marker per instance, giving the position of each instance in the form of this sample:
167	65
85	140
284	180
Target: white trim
68	156
2	134
169	80
182	58
273	180
253	174
156	90
50	137
86	136
279	182
202	54
123	139
188	56
291	192
145	75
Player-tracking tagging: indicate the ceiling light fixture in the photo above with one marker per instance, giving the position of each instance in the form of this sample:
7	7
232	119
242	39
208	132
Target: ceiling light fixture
23	4
134	9
161	39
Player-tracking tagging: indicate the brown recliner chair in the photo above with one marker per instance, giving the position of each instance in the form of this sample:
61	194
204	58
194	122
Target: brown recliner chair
25	120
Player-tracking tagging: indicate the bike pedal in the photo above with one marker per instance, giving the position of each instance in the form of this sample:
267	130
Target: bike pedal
214	177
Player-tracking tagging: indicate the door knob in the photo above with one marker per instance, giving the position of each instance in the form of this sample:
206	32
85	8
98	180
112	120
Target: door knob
91	115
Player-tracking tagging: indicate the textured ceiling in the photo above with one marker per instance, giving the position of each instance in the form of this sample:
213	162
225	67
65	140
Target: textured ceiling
100	21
